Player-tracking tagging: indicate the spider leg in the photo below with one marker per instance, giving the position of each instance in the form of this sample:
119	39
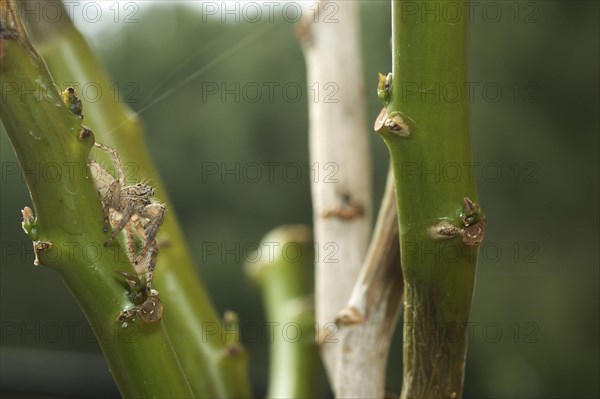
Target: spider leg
130	241
155	213
136	222
106	210
116	159
130	238
125	218
135	219
149	245
151	265
105	185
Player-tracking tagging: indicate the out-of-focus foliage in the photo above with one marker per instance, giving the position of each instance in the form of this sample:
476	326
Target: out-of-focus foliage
534	329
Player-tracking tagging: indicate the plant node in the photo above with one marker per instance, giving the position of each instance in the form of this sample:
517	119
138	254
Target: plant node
69	96
84	133
475	224
38	248
395	124
472	227
384	88
148	306
444	230
349	316
29	223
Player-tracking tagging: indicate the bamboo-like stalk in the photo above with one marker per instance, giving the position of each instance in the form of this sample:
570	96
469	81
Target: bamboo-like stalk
68	230
338	141
376	299
286	285
215	362
440	222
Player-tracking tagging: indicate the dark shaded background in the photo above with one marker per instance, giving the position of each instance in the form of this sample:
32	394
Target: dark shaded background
535	312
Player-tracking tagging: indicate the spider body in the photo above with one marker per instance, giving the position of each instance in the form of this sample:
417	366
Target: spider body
129	208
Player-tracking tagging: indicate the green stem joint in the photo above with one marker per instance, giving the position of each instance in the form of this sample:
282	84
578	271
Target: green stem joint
440	222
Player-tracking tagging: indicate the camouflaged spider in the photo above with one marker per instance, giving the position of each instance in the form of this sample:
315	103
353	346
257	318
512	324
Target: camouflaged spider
129	208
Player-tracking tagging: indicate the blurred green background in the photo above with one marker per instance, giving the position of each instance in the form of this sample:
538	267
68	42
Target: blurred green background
535	101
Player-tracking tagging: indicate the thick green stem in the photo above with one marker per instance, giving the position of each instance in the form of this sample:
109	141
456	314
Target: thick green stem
286	284
214	361
437	215
45	134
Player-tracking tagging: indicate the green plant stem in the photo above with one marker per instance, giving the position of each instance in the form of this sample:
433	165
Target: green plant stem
45	133
216	364
286	284
430	134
